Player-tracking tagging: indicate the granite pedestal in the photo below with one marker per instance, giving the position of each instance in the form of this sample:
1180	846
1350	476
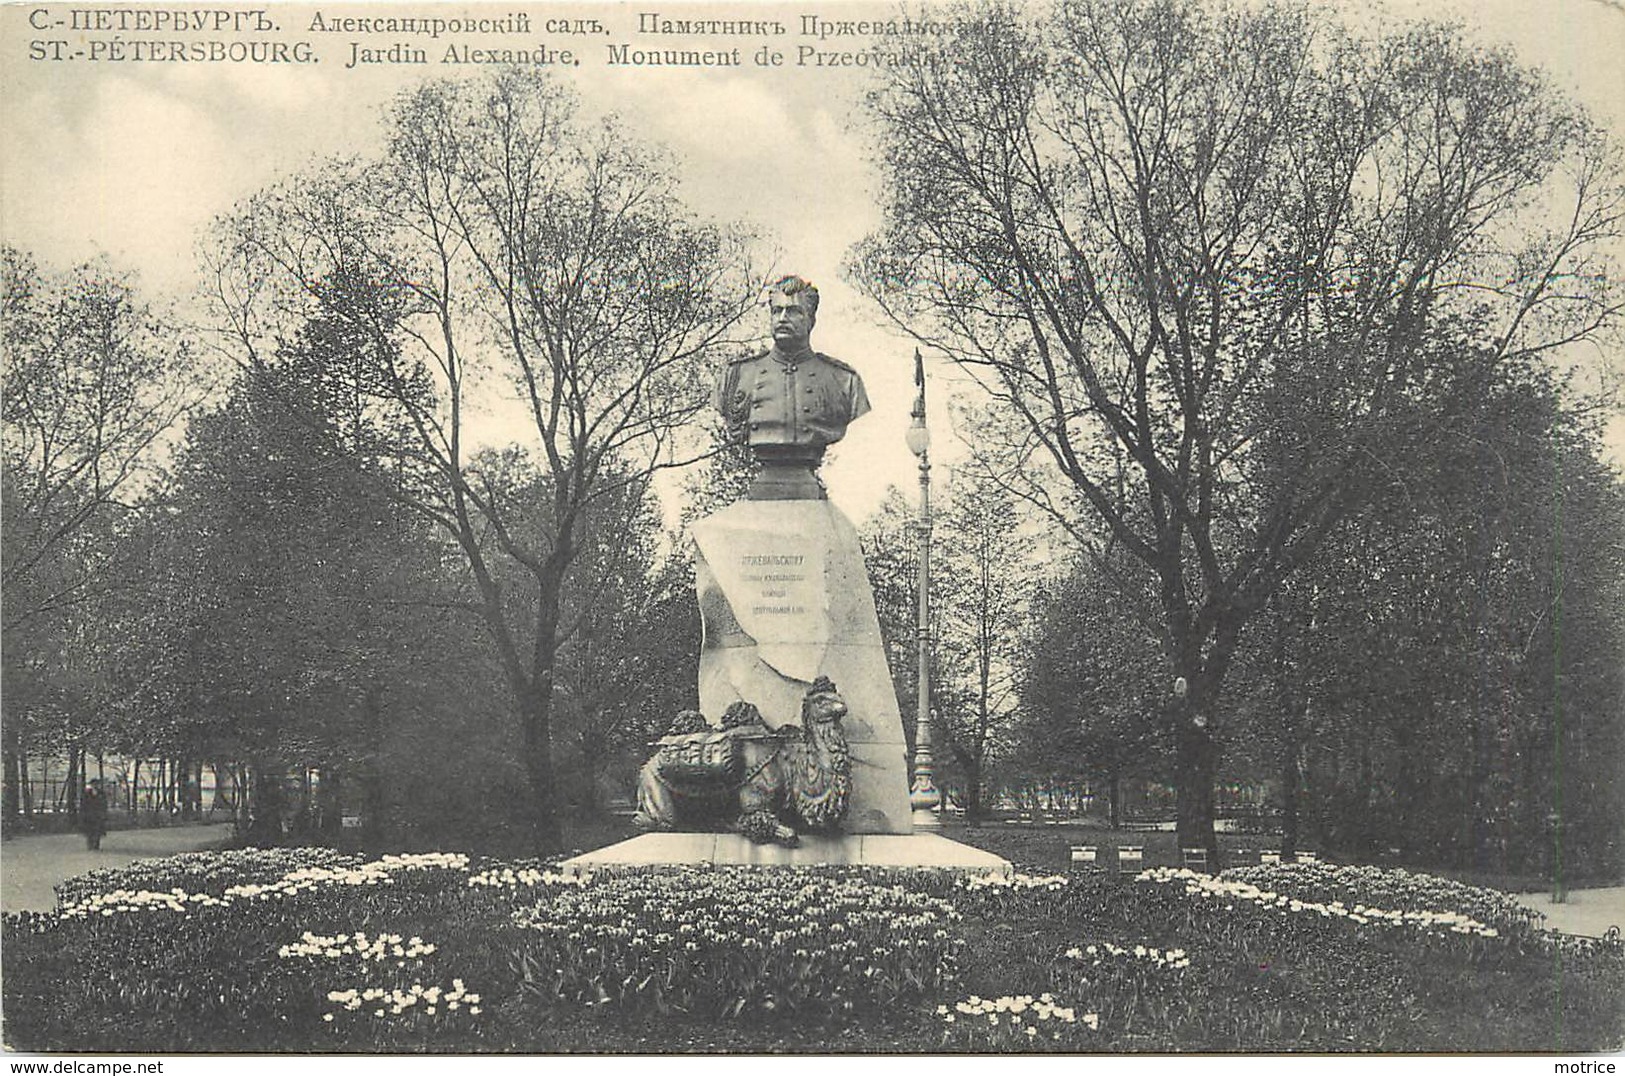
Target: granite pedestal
784	599
928	851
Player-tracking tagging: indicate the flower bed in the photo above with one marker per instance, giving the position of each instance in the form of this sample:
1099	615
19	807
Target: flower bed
1132	986
1391	891
1229	891
731	941
379	872
235	968
201	872
375	991
1058	897
1020	1023
515	878
310	951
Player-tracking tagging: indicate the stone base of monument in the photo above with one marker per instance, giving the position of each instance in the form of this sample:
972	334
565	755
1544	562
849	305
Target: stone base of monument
928	851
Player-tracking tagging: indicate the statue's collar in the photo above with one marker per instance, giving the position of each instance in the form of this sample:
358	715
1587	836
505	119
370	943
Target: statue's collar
789	357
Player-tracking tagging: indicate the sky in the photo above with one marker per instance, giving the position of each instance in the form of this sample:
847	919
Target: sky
131	160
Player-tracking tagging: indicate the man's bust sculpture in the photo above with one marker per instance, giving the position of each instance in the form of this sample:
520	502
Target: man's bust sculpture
790	402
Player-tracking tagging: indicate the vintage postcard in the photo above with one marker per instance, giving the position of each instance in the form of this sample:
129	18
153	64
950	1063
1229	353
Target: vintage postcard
841	527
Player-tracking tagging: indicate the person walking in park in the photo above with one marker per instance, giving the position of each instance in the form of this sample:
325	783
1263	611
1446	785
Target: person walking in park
93	815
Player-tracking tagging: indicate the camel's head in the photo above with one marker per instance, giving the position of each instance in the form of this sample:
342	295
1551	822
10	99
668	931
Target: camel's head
823	705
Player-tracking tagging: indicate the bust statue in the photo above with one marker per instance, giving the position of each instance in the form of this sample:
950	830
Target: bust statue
790	402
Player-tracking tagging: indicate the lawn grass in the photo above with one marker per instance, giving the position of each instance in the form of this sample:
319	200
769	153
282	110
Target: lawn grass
202	975
1048	845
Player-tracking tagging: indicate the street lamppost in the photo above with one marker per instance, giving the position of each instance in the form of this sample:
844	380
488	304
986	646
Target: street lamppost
923	797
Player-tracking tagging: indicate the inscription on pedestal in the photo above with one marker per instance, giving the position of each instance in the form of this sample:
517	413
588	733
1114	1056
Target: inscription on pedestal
785	600
768	590
778	584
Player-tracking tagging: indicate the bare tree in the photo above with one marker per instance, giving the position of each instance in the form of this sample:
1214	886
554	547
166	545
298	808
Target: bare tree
1206	254
989	571
504	242
94	380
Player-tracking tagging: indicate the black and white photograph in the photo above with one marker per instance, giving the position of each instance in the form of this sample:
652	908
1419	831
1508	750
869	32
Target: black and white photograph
899	531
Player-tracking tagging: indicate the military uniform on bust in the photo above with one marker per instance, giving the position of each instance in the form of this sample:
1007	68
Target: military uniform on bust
799	401
790	402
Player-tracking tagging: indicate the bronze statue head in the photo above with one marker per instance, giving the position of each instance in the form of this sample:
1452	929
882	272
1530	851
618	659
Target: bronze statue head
792	305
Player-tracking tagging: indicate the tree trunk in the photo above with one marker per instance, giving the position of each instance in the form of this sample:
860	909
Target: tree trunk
1293	710
594	761
1197	679
979	756
75	780
223	799
161	786
1365	782
13	802
1291	778
265	826
1194	790
973	791
535	699
239	794
303	816
373	788
328	812
536	713
183	788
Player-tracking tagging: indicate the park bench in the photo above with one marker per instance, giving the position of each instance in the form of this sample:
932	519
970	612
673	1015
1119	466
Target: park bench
1130	859
1270	855
1195	858
1085	857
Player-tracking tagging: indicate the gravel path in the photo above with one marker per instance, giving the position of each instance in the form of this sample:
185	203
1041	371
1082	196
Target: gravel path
30	866
1587	911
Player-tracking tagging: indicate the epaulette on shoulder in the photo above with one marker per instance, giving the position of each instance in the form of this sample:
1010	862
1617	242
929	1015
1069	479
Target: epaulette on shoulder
835	362
749	356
